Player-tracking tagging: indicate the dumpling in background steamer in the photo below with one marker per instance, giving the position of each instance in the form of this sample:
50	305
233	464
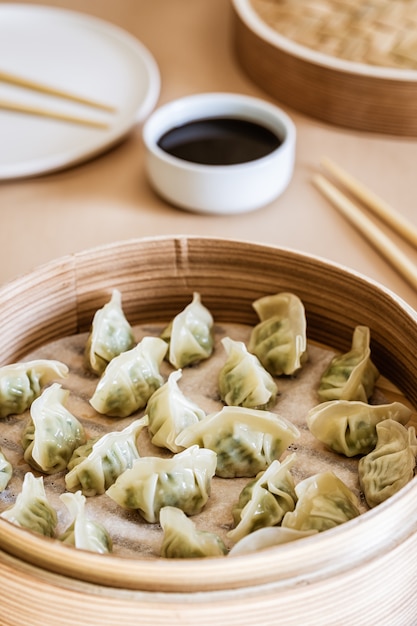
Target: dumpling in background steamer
130	379
324	501
190	334
96	465
111	334
183	481
84	533
32	509
182	540
21	383
52	433
280	339
265	500
169	412
390	466
243	380
6	471
246	441
350	376
349	427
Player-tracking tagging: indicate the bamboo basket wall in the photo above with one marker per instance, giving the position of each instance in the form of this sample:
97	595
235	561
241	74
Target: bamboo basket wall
360	75
362	572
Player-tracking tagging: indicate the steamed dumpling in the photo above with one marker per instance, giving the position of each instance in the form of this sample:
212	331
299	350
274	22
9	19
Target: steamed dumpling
182	540
183	481
96	465
280	339
6	471
53	432
390	466
130	379
243	381
349	427
270	537
32	509
351	376
21	383
265	500
324	501
111	334
84	533
169	412
190	334
245	440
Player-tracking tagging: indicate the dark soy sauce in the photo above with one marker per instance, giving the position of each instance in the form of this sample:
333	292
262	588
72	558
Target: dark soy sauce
219	141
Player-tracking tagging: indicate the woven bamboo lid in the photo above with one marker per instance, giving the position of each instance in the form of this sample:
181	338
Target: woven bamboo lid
351	63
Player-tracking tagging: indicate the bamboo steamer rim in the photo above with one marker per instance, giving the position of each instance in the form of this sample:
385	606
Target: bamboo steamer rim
345	93
253	21
75	284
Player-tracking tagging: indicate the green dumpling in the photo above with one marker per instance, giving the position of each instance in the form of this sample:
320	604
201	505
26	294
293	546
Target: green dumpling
350	376
349	427
324	501
190	334
32	509
111	334
130	379
280	339
21	383
52	433
243	381
182	540
245	440
265	500
390	466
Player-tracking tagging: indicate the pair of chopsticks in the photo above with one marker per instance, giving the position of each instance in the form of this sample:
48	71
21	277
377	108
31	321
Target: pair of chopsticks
376	237
25	83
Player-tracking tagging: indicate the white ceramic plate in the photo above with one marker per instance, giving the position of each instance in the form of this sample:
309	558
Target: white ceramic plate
77	53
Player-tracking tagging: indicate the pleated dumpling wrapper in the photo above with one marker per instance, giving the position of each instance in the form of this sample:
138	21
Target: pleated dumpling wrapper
182	539
190	334
269	537
6	471
96	465
265	500
280	339
390	466
130	379
84	533
243	380
21	383
245	440
351	376
349	427
324	501
32	509
183	481
110	335
52	433
169	411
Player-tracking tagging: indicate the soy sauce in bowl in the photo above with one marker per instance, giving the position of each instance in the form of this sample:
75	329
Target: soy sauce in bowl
219	141
219	153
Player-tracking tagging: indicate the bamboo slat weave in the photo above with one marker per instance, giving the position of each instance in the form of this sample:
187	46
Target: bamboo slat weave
375	32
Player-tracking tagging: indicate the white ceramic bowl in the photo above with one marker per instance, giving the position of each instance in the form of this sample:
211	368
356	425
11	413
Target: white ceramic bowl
220	189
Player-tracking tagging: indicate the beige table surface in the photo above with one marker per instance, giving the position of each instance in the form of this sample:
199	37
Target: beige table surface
108	199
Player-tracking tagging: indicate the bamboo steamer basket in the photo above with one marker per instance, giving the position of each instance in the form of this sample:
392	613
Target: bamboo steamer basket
362	572
372	89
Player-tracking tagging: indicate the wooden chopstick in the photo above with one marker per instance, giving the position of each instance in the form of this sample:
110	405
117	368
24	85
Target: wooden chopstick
376	237
20	81
65	117
379	207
